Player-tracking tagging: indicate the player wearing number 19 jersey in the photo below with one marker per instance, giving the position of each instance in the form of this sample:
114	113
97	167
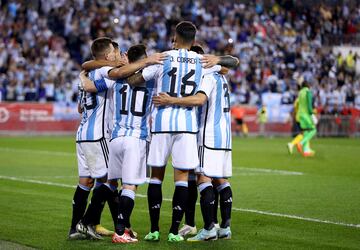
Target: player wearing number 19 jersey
92	137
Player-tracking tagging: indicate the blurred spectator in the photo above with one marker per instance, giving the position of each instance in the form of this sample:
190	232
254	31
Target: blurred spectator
43	43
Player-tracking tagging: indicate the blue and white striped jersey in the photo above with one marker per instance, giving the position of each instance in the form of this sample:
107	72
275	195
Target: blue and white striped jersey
215	119
96	122
179	76
132	107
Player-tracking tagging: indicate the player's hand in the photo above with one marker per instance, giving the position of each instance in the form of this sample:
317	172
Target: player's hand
83	74
123	60
162	99
156	58
209	61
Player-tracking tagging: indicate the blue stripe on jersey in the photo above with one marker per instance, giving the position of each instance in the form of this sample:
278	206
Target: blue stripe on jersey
91	122
188	116
217	117
117	105
176	109
92	75
228	127
166	77
144	123
100	85
164	88
128	106
179	91
198	72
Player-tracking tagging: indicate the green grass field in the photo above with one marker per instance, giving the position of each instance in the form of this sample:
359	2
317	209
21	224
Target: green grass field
280	201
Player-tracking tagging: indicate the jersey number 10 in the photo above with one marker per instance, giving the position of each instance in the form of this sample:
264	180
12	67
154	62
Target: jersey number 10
133	107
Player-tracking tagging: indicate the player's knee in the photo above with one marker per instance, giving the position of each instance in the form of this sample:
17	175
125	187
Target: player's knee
88	182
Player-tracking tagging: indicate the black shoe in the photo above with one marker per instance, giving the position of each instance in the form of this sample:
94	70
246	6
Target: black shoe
75	235
88	230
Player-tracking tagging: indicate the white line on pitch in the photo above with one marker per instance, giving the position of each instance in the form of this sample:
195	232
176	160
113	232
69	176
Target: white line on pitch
167	199
42	152
58	153
266	170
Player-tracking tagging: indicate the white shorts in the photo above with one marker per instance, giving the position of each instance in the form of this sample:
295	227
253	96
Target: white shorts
92	158
128	160
183	149
214	163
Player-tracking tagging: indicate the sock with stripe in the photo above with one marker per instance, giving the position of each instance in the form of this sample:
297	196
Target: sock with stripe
225	204
126	205
207	204
179	204
154	194
190	210
216	205
79	203
98	199
112	199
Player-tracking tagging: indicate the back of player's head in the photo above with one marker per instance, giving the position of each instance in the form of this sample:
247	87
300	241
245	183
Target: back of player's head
198	49
136	52
101	46
186	31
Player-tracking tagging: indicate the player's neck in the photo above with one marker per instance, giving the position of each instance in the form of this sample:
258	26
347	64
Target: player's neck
183	46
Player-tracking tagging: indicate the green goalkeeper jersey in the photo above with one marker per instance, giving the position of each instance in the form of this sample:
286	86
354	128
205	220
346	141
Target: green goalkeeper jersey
305	102
305	109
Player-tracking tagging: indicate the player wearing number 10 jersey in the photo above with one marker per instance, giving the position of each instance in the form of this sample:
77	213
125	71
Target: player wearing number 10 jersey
129	139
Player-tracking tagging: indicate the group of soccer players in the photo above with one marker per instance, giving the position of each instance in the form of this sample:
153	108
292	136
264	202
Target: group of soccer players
136	111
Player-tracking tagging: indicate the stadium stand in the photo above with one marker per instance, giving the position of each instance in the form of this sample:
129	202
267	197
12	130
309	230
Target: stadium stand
43	42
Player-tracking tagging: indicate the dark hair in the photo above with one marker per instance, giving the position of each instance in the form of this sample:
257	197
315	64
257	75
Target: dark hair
136	52
198	49
115	44
186	31
100	45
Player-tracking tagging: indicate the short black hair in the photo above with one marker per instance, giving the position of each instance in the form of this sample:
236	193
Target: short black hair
136	52
115	44
198	49
100	45
186	31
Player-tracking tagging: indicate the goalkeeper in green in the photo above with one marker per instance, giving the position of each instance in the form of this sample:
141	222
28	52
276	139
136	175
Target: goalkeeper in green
307	120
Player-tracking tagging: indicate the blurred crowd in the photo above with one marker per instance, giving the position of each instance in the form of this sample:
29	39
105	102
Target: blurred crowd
43	43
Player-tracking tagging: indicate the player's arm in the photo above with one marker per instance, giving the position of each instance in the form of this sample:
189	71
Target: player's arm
164	99
131	68
79	108
136	80
86	83
228	61
96	64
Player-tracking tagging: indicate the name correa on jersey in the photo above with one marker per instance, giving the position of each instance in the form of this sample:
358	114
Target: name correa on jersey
179	76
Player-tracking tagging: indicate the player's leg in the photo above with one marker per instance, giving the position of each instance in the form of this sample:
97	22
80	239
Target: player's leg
158	155
79	203
81	194
189	228
309	128
133	174
184	158
216	205
225	192
97	160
